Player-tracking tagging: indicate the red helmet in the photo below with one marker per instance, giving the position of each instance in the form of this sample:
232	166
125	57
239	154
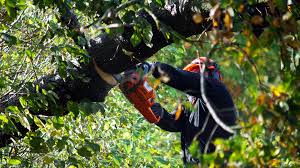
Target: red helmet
212	68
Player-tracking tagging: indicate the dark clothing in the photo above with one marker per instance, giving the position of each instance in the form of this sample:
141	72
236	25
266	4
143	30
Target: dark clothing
191	125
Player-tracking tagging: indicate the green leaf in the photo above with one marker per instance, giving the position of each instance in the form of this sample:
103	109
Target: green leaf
194	148
73	160
44	92
61	144
165	31
123	120
117	161
37	88
161	160
88	108
82	41
62	69
209	158
13	109
160	2
23	102
58	122
3	118
12	40
128	17
93	146
72	166
54	94
38	122
21	4
30	54
14	161
38	145
10	3
24	121
47	159
73	108
2	82
83	151
147	35
12	12
135	40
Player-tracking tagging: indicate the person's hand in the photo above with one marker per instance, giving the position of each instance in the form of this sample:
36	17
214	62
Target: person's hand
148	67
157	110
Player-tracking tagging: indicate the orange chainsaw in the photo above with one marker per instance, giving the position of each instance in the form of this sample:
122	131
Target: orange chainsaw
135	87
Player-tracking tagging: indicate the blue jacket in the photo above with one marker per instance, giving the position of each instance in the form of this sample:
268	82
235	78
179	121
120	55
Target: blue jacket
198	125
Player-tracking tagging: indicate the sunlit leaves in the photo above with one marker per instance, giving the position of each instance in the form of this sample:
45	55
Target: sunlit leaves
3	120
23	102
38	122
147	35
135	40
160	2
143	31
58	122
14	161
24	121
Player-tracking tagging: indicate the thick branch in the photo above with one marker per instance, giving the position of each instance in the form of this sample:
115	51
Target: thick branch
123	55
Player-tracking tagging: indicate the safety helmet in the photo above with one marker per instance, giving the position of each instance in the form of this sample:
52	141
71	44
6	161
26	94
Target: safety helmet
211	70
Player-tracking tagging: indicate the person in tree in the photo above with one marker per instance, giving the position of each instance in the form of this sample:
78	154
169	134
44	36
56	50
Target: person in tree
199	125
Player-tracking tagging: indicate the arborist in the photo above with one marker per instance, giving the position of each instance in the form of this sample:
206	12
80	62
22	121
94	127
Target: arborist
199	125
201	80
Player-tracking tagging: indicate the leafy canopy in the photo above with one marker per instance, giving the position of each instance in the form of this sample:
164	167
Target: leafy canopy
261	72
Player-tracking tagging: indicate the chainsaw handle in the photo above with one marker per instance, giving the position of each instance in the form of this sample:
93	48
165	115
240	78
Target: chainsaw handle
149	115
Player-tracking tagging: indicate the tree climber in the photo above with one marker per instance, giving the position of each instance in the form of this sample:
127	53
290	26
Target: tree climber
215	108
199	125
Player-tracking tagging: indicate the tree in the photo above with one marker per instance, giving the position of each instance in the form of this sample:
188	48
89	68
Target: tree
131	32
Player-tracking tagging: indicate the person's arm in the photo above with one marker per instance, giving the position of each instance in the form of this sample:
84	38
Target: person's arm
184	81
167	120
189	82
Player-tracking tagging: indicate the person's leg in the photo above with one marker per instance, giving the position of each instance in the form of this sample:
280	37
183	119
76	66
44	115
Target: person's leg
212	131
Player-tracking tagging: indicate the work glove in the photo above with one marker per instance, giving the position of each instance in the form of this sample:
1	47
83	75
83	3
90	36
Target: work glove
148	67
157	110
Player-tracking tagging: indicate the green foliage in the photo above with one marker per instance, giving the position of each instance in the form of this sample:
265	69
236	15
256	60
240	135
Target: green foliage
262	73
120	136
